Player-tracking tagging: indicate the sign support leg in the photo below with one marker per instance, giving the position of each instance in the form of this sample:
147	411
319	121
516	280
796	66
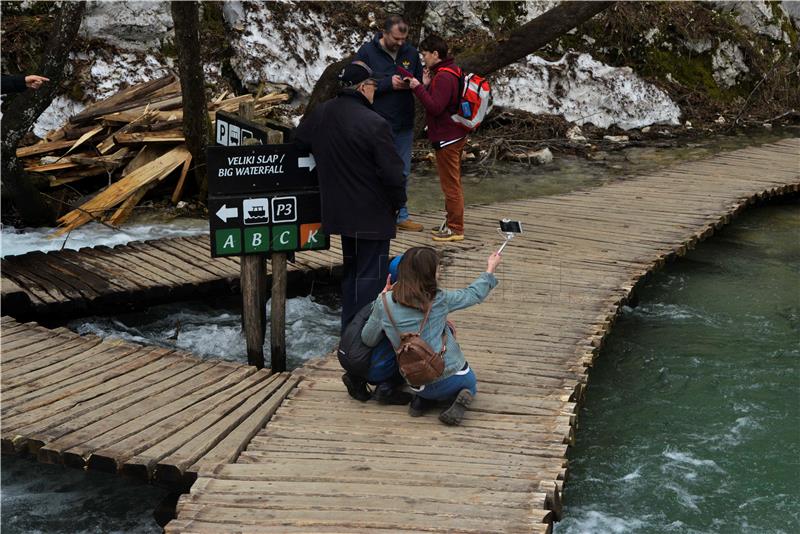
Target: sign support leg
254	307
254	290
278	312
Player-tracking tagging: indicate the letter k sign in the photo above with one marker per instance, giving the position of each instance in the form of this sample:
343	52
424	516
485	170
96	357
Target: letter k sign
311	237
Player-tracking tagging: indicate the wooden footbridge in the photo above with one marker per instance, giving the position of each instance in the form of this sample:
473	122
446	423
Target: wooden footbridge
326	463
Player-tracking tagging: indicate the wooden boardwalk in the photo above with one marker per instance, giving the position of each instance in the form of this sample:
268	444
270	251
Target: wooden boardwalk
326	463
148	412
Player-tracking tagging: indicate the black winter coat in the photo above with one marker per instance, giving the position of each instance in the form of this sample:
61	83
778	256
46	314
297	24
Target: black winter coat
360	173
12	84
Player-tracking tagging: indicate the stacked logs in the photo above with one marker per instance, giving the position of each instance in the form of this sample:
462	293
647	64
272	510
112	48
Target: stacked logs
135	138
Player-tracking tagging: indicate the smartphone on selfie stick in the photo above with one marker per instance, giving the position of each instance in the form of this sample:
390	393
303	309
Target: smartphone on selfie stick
508	229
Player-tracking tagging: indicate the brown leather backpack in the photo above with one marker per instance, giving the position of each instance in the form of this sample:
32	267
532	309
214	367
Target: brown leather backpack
418	362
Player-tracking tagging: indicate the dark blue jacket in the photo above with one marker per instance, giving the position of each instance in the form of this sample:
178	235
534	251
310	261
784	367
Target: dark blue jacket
360	174
397	107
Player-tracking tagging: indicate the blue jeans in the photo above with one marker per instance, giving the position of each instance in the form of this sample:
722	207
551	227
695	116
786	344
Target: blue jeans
383	364
449	387
402	143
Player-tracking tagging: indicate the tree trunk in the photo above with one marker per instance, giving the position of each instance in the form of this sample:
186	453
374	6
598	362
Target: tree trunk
26	108
415	16
530	37
196	124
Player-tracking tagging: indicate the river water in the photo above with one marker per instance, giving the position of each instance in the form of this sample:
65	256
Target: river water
54	499
692	414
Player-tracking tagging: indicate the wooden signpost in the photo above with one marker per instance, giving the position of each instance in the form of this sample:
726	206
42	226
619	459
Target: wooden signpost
263	199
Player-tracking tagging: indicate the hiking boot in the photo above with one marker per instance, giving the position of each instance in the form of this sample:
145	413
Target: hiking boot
419	405
447	235
356	387
386	393
410	226
455	413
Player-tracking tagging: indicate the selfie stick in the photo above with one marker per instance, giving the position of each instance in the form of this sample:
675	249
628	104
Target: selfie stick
509	236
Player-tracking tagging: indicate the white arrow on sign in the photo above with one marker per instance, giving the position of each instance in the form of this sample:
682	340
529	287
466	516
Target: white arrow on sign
307	162
226	213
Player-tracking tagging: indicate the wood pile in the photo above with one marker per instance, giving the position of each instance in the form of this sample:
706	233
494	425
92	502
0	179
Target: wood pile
135	138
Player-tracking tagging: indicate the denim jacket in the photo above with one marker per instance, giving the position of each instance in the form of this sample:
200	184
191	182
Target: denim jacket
409	319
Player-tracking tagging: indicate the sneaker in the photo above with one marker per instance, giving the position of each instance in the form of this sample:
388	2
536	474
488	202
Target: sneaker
410	226
356	387
386	393
447	235
455	413
419	405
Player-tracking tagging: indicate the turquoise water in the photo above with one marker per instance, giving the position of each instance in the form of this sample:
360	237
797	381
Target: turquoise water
692	415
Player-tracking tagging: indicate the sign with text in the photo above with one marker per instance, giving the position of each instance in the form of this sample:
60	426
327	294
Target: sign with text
257	168
282	222
261	198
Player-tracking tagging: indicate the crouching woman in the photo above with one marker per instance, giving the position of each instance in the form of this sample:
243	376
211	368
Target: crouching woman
416	292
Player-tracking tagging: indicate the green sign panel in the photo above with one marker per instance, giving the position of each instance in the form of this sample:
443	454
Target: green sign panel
228	241
256	239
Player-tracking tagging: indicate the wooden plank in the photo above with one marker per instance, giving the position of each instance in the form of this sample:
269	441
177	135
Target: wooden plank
199	434
155	424
23	401
243	425
43	148
176	195
103	419
77	398
76	447
117	192
172	468
169	136
132	93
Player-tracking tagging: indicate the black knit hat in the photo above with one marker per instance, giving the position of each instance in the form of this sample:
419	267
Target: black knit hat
355	73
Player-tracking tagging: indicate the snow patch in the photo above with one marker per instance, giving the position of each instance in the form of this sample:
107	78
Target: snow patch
584	90
535	8
295	50
129	24
123	70
728	63
451	18
56	115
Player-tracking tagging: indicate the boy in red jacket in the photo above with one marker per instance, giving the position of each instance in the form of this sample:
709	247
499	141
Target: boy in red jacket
439	94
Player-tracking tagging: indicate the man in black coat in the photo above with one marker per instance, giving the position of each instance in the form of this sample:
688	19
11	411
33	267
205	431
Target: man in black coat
361	183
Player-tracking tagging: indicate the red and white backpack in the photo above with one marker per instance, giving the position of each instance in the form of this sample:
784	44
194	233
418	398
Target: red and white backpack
475	100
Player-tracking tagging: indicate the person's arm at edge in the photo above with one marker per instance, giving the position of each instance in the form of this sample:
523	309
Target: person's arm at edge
13	84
